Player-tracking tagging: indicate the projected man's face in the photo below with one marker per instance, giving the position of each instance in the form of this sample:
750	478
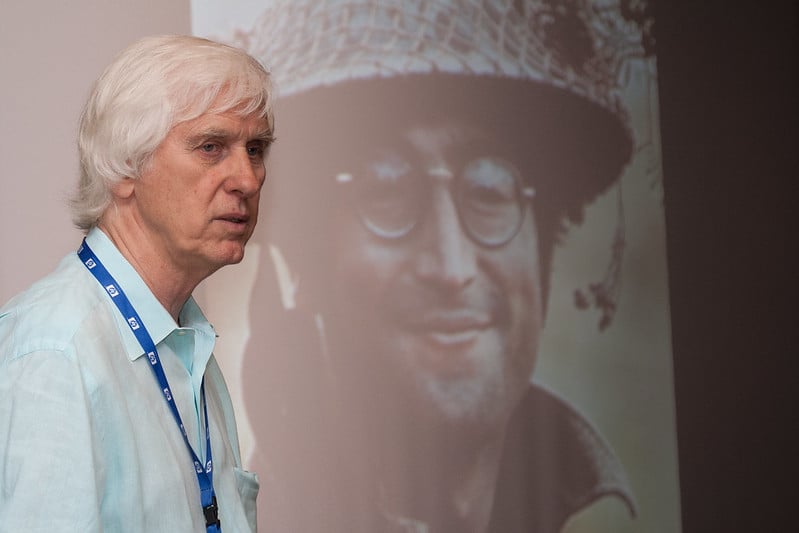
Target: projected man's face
437	273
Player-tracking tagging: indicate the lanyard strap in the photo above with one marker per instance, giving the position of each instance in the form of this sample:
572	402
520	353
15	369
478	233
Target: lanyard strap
204	473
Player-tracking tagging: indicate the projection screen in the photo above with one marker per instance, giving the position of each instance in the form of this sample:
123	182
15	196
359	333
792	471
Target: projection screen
454	315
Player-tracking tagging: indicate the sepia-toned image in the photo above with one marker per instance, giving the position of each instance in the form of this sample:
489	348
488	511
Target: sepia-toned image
455	310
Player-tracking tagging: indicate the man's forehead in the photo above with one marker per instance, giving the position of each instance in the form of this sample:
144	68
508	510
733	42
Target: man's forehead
435	135
228	124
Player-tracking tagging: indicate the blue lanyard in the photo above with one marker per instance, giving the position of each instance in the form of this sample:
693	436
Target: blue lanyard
204	474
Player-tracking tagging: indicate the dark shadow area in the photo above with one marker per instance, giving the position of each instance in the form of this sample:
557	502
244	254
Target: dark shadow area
728	88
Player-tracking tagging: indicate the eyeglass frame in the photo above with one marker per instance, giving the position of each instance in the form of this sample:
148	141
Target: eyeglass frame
523	195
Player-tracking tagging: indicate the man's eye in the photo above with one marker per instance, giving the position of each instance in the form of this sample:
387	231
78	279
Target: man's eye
209	147
387	197
255	150
490	180
389	170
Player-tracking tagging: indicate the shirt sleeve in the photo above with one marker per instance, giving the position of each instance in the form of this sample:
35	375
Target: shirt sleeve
48	478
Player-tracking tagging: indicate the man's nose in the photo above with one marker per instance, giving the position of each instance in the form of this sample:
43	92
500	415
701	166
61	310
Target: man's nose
246	175
448	257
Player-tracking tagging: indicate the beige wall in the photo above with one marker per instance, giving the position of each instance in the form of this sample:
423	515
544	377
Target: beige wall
50	53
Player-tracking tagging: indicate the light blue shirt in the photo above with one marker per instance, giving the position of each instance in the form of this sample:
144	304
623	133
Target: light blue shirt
87	441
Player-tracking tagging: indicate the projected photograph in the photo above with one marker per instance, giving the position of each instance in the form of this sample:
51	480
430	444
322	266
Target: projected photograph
454	315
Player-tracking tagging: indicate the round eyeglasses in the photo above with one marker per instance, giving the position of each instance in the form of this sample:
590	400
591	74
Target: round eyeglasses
392	197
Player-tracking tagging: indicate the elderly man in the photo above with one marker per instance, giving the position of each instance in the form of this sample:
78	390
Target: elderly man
114	413
432	155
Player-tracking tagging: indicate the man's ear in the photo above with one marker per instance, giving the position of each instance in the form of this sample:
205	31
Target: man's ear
123	189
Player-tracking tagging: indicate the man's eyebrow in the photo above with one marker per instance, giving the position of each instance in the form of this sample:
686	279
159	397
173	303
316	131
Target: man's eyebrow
216	133
265	135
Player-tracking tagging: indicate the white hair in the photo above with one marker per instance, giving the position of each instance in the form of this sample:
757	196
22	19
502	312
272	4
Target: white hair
151	86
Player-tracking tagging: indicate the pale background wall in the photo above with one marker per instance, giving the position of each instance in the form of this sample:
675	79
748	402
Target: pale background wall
51	52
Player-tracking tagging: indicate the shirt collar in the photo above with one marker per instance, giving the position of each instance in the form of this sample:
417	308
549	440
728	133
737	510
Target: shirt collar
191	317
156	318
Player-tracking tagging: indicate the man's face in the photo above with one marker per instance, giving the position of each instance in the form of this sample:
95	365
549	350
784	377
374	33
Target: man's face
197	200
441	294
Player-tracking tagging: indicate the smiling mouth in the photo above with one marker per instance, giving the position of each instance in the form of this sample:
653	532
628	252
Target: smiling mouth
448	339
451	329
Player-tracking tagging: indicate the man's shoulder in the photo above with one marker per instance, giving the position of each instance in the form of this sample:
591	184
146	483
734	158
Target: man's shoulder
567	423
47	315
589	462
555	463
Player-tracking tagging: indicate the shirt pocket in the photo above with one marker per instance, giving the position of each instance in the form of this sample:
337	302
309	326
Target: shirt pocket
247	485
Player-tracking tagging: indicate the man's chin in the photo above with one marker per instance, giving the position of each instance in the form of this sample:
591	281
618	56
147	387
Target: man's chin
452	377
230	253
463	401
